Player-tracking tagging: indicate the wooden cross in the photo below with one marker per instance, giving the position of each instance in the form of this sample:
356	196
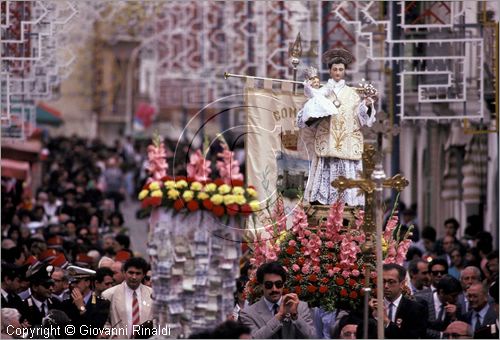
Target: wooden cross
368	185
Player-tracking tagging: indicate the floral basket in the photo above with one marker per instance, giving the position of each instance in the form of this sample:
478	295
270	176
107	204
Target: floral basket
325	265
225	196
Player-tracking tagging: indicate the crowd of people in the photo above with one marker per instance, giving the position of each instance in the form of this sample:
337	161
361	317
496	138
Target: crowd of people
67	260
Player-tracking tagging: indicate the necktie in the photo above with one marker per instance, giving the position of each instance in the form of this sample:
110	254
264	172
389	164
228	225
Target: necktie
135	309
391	312
43	310
478	322
275	309
441	312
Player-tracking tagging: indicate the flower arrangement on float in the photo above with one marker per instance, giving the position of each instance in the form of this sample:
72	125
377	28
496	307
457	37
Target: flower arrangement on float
325	265
223	196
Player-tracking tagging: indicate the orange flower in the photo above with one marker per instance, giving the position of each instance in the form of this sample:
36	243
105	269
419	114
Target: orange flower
232	209
245	209
312	289
323	289
313	278
207	204
298	277
193	205
178	204
237	183
298	290
352	282
353	295
301	261
219	181
218	210
155	201
343	292
339	281
290	250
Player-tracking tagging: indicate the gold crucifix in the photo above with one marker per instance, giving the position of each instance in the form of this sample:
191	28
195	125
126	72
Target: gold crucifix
369	185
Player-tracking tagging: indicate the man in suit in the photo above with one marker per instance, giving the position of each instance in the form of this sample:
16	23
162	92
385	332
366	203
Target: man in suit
84	308
400	319
39	303
442	307
419	276
11	285
277	316
437	269
481	313
131	302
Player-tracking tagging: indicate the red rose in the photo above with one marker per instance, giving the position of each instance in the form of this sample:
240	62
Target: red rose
298	277
218	210
178	204
219	181
353	295
302	249
207	204
311	289
323	289
339	281
232	209
245	209
352	282
343	292
155	201
190	180
237	183
313	278
298	290
362	282
290	250
193	205
300	261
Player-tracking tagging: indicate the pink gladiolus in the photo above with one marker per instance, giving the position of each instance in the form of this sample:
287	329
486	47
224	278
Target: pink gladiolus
198	167
316	269
306	269
158	165
355	272
329	244
331	273
346	274
295	267
336	270
228	167
292	243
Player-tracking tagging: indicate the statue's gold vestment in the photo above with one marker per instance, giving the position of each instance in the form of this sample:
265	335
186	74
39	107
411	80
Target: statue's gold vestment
339	135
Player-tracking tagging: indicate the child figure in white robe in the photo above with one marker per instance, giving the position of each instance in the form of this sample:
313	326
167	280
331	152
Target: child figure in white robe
318	106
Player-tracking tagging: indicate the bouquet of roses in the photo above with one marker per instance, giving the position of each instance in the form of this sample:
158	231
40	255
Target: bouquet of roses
324	263
223	196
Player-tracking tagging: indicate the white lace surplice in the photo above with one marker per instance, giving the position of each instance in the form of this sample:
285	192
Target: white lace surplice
324	170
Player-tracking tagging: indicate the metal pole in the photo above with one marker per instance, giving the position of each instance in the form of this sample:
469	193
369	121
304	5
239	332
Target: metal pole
378	176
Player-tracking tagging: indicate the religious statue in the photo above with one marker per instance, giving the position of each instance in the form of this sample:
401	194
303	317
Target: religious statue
338	141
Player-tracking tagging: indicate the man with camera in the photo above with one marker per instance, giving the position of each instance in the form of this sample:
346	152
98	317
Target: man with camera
277	316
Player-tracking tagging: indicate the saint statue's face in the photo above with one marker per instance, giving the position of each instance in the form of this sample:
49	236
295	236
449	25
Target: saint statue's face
337	72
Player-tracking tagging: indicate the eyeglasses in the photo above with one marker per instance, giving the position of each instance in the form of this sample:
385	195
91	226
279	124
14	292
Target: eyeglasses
269	284
455	336
438	272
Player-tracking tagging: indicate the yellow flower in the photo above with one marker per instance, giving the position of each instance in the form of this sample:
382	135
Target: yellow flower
156	193
252	192
224	189
229	199
196	186
240	199
181	184
188	195
173	194
210	187
254	205
154	186
217	199
384	245
170	184
238	191
281	237
143	194
202	196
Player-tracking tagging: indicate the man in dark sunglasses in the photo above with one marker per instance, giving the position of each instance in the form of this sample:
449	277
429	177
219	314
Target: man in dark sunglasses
277	316
38	304
437	269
